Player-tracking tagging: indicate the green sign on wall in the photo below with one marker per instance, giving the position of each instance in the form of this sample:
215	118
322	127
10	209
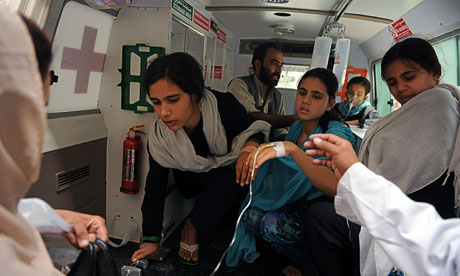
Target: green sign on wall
184	8
133	95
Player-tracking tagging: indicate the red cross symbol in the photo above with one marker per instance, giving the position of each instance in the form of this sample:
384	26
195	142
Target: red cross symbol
84	60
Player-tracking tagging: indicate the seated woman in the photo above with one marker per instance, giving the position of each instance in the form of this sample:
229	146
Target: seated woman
199	134
356	109
286	186
412	147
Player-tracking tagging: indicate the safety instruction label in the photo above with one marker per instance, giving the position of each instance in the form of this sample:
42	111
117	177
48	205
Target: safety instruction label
222	36
399	30
201	20
217	72
184	8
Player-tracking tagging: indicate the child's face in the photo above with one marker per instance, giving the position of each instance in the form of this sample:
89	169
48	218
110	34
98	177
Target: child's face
312	100
357	94
408	79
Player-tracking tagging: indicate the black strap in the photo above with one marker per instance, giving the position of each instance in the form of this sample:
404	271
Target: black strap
82	260
108	256
93	257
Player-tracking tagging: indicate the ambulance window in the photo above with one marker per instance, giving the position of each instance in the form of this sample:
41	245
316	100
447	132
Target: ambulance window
13	4
386	103
177	37
229	64
194	44
35	9
217	76
185	39
209	60
448	55
291	75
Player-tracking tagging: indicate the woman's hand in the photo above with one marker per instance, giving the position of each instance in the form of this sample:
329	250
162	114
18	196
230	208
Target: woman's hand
146	249
266	152
242	166
87	228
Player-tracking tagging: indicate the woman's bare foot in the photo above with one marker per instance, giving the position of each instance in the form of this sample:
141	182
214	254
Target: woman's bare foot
189	237
291	271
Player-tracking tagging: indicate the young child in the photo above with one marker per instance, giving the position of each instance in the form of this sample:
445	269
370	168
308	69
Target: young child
355	109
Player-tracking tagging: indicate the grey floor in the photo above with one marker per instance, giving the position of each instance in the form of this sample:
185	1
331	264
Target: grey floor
267	264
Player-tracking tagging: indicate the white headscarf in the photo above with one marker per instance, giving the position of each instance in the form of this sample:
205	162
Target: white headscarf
411	148
22	128
173	149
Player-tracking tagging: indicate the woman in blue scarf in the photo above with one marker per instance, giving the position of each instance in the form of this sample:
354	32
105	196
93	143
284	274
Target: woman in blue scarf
356	109
285	186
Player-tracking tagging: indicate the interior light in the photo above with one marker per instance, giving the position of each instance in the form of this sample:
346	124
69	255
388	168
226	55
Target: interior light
108	4
276	1
284	28
284	31
282	14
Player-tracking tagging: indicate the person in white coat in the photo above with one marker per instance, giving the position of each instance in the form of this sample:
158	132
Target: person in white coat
414	236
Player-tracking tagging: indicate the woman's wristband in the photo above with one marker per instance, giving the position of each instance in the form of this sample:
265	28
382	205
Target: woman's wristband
279	148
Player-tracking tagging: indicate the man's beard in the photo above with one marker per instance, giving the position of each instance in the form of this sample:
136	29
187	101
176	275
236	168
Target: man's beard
266	78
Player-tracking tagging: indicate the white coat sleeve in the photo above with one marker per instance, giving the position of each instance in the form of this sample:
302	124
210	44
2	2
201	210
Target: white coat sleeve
413	235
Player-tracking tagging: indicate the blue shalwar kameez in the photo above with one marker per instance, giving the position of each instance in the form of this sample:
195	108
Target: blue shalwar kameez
281	190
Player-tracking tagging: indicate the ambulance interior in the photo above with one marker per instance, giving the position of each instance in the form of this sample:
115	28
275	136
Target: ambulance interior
101	53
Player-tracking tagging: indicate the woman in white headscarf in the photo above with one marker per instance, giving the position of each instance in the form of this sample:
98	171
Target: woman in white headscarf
198	133
416	147
22	128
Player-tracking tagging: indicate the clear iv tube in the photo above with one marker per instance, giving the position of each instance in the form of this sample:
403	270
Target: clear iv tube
352	102
239	217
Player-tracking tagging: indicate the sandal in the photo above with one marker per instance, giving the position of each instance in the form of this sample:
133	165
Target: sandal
291	270
191	249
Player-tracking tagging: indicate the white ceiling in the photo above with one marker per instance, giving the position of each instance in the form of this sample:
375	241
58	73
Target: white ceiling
308	26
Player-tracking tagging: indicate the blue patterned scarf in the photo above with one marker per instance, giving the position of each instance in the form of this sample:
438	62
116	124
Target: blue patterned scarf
279	182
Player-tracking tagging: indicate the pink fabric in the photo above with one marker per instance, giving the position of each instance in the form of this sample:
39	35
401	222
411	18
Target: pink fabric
22	128
22	113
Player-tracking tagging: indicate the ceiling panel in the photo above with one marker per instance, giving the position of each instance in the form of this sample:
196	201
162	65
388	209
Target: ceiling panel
359	31
246	23
391	9
307	4
308	26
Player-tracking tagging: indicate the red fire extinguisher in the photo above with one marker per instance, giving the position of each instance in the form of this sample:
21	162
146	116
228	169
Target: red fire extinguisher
131	145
